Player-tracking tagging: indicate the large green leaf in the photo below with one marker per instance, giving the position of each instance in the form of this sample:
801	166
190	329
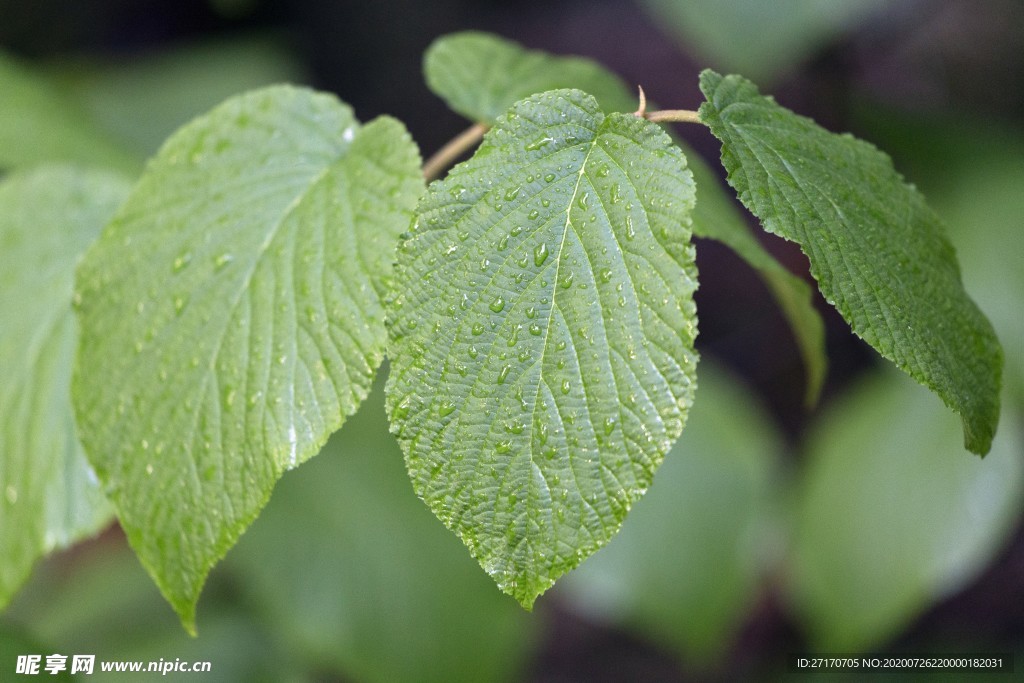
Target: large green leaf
480	75
879	254
40	123
760	38
686	567
542	338
717	216
890	515
49	496
231	316
385	593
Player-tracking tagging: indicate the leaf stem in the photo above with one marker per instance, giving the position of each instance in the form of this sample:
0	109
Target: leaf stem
665	115
672	116
452	150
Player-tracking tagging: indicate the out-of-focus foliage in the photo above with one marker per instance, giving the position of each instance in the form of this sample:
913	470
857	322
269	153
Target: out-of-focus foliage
759	39
49	495
356	576
891	515
144	100
40	121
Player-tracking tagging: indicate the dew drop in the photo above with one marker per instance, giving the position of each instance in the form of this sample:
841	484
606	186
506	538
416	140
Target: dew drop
512	194
446	408
182	261
402	409
549	177
565	386
503	446
477	329
566	282
609	425
535	329
504	373
537	144
540	254
497	305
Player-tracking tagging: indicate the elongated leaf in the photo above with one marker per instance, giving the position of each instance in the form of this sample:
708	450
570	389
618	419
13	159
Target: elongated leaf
891	516
49	496
543	335
480	75
879	254
231	317
716	216
40	123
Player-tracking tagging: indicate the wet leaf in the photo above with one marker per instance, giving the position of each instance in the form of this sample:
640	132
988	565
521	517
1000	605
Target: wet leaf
231	317
542	336
879	254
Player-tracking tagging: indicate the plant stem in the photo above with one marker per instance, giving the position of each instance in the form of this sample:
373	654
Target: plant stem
452	150
673	116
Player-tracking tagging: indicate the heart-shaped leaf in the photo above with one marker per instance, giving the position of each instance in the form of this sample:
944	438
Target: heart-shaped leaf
542	337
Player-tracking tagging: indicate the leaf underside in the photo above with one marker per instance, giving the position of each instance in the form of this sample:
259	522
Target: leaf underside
717	216
49	496
231	317
879	254
542	335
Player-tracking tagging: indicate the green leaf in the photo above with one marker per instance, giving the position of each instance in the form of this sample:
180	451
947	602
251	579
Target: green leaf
879	254
542	338
480	75
49	496
686	567
231	317
40	123
717	217
764	39
891	516
384	592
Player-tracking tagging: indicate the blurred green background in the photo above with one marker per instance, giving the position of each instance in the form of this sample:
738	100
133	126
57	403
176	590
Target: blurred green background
860	526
